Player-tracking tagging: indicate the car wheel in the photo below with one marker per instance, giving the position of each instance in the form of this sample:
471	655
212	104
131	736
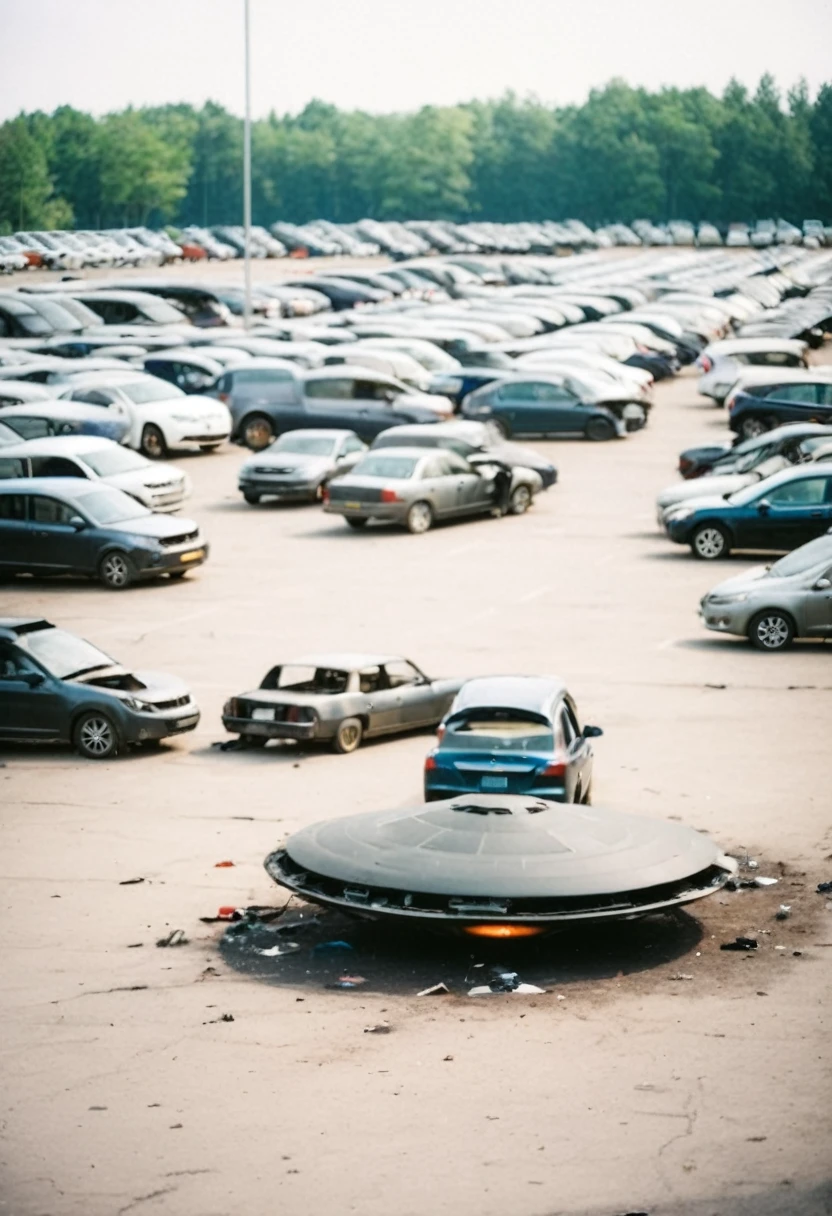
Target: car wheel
209	447
503	427
251	497
348	736
600	429
771	630
116	571
520	501
95	736
419	518
710	543
355	521
153	442
750	428
257	432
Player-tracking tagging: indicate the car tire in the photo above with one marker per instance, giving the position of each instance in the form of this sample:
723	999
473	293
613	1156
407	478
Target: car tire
771	630
348	736
751	428
710	543
95	736
520	501
419	517
355	521
600	430
152	443
502	426
257	432
251	497
116	571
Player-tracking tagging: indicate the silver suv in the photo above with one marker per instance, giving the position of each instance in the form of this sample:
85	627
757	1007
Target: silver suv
772	605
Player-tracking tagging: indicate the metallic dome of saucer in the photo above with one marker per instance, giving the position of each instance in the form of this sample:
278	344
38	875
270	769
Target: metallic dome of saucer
501	858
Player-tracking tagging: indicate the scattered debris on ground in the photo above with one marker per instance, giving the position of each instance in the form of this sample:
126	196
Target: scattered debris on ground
379	1028
176	937
783	912
348	981
130	882
223	865
740	943
224	1017
279	949
502	980
434	990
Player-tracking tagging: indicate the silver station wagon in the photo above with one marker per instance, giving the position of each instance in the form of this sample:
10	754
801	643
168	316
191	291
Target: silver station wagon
339	699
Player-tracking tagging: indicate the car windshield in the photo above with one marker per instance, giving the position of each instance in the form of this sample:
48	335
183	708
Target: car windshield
498	730
814	554
112	507
741	498
305	445
62	653
142	391
108	461
751	459
397	467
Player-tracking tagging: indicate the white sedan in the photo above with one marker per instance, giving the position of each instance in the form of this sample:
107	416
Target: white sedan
160	415
161	487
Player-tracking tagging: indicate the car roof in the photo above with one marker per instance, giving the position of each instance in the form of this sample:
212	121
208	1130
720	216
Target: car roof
347	661
260	361
730	346
24	624
346	371
27	389
113	376
794	473
313	432
56	445
532	693
62	487
416	453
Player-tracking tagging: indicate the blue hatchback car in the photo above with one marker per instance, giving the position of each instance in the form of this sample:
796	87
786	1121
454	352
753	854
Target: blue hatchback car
514	735
779	513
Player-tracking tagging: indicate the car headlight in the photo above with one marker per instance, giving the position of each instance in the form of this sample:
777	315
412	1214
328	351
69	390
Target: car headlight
736	598
132	703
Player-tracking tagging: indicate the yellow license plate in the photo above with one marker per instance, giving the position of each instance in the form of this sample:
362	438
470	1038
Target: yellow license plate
353	506
193	556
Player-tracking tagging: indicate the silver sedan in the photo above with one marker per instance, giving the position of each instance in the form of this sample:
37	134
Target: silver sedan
772	605
414	488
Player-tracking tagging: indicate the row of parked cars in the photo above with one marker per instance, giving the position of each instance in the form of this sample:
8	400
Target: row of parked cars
142	246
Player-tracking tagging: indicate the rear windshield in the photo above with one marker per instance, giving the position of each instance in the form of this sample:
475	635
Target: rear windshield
498	730
804	558
397	467
295	677
108	461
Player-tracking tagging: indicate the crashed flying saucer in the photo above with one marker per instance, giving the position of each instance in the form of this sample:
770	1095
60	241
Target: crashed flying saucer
499	865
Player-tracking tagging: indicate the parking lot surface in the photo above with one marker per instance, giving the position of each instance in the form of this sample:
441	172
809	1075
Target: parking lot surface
624	1088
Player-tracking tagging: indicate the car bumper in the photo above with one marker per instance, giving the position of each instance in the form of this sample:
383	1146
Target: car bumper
271	730
679	533
726	618
164	562
140	727
444	786
387	512
299	490
207	430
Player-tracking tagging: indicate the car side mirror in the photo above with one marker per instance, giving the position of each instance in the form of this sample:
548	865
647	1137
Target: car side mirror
592	732
77	524
763	507
33	678
823	584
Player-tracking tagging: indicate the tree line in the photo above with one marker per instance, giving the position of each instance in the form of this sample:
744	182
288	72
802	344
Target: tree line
625	153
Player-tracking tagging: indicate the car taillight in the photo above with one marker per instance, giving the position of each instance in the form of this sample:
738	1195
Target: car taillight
224	398
440	733
705	363
430	763
325	495
555	768
389	496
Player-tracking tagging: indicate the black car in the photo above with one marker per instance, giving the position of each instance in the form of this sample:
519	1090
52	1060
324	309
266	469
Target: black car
192	371
721	458
468	439
458	384
342	293
57	688
761	407
546	406
65	525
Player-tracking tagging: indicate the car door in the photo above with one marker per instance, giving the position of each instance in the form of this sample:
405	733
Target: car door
817	606
56	466
57	542
384	704
372	402
473	491
438	485
329	402
15	532
796	512
578	755
31	705
420	705
798	402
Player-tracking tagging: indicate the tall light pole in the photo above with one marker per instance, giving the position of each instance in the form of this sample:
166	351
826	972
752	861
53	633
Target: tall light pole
247	172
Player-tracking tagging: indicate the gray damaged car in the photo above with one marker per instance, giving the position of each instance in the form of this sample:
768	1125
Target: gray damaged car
415	488
772	605
339	699
298	465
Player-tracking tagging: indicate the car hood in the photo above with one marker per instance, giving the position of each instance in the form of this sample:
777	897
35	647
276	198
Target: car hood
150	478
163	527
727	483
152	686
746	581
294	461
706	502
517	453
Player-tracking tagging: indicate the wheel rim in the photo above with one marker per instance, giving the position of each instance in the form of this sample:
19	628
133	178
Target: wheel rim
258	434
96	736
773	632
152	443
350	736
115	570
419	517
752	427
521	499
709	542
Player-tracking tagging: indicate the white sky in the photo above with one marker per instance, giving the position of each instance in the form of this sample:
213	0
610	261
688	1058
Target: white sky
381	55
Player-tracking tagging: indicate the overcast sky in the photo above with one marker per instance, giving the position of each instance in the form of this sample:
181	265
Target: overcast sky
379	55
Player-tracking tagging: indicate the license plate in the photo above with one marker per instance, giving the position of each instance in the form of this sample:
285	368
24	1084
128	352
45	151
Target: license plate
494	783
353	506
193	556
262	715
187	722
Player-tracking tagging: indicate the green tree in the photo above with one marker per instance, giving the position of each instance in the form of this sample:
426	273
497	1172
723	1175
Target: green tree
27	200
140	172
